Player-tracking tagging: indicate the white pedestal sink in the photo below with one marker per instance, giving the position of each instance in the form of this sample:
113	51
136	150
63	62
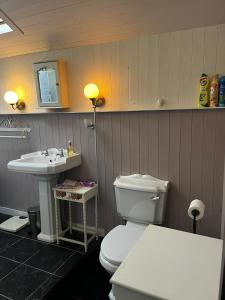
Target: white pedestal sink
46	168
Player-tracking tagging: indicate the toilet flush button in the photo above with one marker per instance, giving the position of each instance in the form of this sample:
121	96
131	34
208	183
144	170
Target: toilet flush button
160	102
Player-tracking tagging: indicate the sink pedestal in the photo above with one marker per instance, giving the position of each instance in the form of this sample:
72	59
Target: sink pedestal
47	207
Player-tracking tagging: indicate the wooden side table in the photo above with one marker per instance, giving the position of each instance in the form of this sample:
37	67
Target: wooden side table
80	195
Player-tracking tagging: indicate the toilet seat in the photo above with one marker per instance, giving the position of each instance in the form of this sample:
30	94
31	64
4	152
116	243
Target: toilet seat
118	242
110	268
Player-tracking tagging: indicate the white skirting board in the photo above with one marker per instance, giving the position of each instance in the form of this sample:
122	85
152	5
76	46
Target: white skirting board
12	212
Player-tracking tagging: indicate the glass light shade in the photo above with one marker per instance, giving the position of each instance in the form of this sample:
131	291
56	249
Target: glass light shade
91	91
11	97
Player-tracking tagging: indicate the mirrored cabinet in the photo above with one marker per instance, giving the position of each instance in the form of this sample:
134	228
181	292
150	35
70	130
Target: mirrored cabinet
51	84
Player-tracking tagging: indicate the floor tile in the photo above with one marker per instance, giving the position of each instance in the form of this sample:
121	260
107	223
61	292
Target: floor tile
3	298
76	235
20	283
4	217
6	266
7	239
69	245
69	264
87	280
68	296
49	258
45	287
92	245
22	250
27	233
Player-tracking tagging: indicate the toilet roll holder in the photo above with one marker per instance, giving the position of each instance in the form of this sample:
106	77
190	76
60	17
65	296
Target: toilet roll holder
195	213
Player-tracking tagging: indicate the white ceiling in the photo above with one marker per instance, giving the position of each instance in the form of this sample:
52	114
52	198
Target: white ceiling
55	24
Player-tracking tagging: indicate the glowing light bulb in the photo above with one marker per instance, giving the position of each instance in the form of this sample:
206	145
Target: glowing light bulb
91	91
11	97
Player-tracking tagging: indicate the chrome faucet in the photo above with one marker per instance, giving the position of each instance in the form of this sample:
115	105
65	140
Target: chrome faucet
60	154
45	152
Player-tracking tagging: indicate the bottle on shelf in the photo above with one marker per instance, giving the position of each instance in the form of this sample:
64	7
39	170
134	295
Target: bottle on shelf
203	100
70	151
222	91
213	94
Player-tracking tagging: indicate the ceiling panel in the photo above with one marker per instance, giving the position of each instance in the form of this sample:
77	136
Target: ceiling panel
54	24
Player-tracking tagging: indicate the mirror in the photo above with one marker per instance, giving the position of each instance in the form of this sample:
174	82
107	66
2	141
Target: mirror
48	85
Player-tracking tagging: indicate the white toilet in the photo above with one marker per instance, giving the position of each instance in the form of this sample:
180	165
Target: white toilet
140	200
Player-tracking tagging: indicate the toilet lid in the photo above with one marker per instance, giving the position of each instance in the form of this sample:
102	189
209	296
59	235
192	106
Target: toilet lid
118	242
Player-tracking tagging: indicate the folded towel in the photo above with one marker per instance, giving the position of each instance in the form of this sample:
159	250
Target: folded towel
71	184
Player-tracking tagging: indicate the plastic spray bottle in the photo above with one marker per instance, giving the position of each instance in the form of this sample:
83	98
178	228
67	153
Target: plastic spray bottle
203	100
213	94
222	91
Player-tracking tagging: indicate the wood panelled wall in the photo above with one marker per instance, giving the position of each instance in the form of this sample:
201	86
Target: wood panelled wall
186	147
131	74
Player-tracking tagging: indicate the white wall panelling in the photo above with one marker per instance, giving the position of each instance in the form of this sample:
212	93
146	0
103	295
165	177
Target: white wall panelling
186	147
132	74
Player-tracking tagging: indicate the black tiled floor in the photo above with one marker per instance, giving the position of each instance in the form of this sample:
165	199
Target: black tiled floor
20	283
6	266
22	250
3	298
27	233
29	268
87	281
69	264
49	258
92	246
7	239
47	285
76	235
71	246
4	217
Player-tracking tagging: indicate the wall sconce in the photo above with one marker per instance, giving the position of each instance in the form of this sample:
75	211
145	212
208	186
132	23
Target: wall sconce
11	98
91	92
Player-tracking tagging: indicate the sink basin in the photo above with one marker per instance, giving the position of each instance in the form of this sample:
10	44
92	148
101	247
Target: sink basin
38	163
46	169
